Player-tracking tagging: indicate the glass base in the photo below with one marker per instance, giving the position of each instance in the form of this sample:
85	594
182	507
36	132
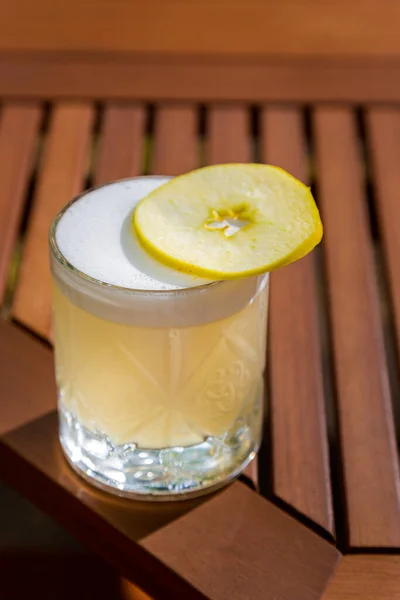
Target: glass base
157	474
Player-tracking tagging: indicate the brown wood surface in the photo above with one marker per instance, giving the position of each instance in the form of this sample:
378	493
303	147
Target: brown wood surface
260	550
27	384
19	123
306	27
233	544
384	147
250	474
370	462
121	142
301	475
229	135
175	149
366	577
187	78
62	174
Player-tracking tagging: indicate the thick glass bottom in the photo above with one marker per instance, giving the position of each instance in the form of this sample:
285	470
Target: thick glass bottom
159	474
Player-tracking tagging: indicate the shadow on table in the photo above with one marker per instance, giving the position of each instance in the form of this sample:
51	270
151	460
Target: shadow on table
57	485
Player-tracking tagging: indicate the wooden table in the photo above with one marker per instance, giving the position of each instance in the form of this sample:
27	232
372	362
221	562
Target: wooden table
328	473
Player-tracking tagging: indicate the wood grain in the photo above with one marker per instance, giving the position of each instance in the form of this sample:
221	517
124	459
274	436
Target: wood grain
370	462
307	27
228	141
61	177
121	142
366	578
175	149
301	476
18	131
188	78
383	127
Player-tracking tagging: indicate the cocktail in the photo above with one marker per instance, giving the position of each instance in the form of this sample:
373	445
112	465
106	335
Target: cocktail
159	368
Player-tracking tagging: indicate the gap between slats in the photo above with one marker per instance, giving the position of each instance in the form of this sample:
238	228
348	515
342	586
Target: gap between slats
19	127
370	463
61	177
301	475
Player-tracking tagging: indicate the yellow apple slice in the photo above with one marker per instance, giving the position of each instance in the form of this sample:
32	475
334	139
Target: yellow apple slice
229	221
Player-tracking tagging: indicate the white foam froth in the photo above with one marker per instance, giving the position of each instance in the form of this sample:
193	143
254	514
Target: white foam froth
95	235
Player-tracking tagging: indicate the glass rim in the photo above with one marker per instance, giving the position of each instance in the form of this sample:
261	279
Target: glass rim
63	261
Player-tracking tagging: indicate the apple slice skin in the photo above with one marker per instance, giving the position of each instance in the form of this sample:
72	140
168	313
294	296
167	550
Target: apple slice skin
179	223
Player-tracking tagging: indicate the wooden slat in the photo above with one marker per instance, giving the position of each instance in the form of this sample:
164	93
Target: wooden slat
175	145
185	78
334	27
121	142
245	535
384	145
250	474
26	374
61	177
229	141
226	546
18	130
368	445
229	134
301	476
366	578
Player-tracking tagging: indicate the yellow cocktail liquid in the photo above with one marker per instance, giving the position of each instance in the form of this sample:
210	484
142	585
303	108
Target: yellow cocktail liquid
159	386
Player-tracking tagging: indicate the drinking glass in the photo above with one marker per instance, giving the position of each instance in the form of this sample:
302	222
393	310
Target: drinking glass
160	392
